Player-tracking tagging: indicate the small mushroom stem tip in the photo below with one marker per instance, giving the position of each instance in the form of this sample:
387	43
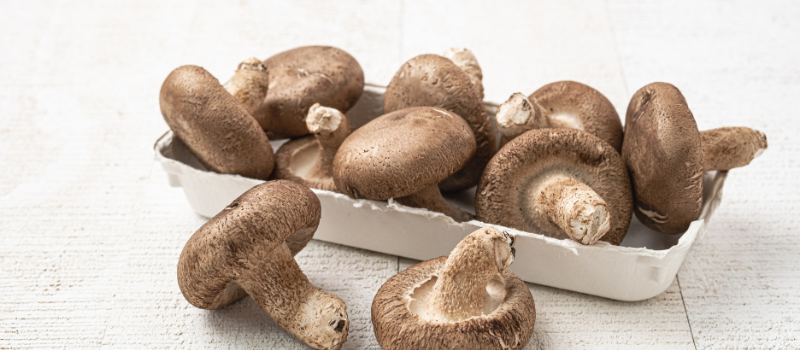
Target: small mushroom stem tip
431	198
731	147
575	208
249	84
518	115
330	127
460	290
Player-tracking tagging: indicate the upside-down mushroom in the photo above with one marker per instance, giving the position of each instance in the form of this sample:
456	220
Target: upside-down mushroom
666	156
560	183
309	160
467	300
563	104
404	155
248	248
435	81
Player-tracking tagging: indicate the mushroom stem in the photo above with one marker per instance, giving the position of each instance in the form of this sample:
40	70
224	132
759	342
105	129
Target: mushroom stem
249	84
731	147
464	59
330	127
460	290
574	207
280	288
518	115
431	198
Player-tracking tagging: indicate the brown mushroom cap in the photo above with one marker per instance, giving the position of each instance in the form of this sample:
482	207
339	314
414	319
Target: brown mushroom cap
465	59
407	315
506	197
213	125
303	76
578	106
247	249
435	81
663	152
403	152
309	160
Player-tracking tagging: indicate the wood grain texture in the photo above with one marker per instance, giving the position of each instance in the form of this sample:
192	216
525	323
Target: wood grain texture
90	232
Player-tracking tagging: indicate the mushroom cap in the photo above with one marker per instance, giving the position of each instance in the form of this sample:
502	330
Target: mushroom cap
295	159
242	235
213	125
576	105
509	326
435	81
402	152
504	195
663	152
303	76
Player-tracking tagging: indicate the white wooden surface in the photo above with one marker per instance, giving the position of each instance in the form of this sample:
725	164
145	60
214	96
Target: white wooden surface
90	231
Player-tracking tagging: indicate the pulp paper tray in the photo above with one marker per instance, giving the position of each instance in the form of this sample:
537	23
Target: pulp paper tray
642	267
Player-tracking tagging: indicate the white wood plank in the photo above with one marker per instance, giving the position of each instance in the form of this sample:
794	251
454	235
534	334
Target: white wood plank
735	65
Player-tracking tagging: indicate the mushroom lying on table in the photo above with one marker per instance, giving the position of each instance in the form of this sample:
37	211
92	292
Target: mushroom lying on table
563	104
404	155
303	76
468	300
215	127
666	156
435	81
560	183
248	248
309	160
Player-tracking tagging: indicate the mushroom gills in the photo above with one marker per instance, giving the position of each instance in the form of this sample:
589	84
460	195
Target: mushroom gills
305	157
420	297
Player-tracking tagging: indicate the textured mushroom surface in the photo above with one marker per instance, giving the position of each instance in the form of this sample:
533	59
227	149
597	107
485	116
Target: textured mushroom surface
469	300
510	190
249	84
731	147
303	76
465	59
578	106
663	153
309	160
402	152
213	125
248	248
435	81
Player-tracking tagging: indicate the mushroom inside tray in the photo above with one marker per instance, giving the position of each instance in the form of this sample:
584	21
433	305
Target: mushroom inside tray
467	300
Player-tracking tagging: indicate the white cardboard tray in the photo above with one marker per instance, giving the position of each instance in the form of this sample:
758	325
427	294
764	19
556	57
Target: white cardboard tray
642	267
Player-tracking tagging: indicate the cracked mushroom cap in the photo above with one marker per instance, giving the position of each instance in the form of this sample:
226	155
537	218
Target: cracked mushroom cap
214	126
401	153
532	182
303	76
468	300
578	106
435	81
248	248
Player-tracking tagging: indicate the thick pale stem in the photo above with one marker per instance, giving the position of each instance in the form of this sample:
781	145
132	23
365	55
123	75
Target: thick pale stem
518	115
464	59
280	288
731	147
460	290
330	127
431	198
249	84
575	208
